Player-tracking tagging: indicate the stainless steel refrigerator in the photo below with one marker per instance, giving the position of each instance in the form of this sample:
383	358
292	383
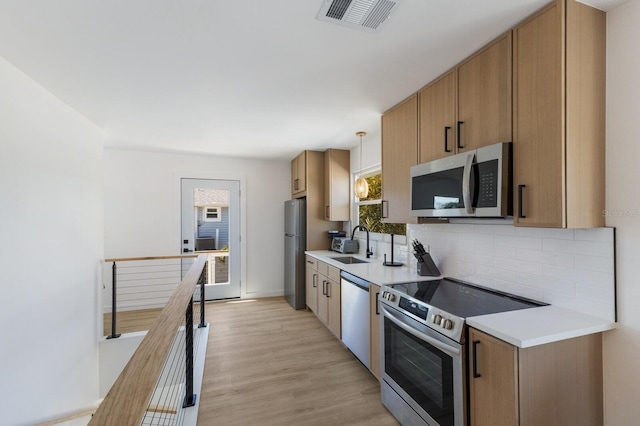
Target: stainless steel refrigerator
295	243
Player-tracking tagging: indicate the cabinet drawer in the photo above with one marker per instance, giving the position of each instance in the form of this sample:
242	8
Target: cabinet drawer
312	262
323	268
333	273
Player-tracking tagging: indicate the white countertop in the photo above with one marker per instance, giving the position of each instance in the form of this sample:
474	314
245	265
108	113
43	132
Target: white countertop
536	326
522	328
373	271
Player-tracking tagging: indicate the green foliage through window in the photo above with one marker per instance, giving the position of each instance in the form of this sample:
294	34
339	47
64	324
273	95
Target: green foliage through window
369	213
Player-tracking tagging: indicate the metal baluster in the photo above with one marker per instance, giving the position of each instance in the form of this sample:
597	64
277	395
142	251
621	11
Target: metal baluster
113	334
190	397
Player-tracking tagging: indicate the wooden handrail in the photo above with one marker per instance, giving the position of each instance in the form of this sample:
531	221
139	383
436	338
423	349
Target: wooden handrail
128	399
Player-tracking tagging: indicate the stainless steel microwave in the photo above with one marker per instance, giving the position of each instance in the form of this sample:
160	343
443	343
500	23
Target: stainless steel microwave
475	183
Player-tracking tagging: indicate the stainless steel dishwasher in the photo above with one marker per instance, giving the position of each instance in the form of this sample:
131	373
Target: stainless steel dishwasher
355	315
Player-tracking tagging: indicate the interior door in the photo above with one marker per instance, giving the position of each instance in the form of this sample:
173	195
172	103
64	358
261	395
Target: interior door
211	225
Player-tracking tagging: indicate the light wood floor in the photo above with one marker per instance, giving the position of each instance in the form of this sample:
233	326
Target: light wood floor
130	321
268	364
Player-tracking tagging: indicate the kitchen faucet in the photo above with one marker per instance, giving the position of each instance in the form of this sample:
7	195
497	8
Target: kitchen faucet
363	228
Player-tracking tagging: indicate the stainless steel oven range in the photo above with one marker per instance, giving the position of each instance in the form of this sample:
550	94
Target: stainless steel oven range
423	347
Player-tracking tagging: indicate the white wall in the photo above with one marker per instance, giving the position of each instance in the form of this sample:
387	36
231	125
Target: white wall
622	363
51	247
142	208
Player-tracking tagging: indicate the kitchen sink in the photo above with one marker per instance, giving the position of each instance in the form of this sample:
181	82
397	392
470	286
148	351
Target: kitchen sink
349	259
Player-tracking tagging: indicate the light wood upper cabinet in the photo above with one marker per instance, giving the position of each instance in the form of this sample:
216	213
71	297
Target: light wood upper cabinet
559	117
485	96
399	153
374	329
558	383
336	184
299	175
438	118
469	106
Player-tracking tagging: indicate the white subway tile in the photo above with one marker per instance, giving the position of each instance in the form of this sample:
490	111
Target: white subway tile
597	294
561	234
594	263
518	242
595	234
599	279
496	251
498	274
549	258
559	273
463	246
476	238
496	229
519	266
482	259
589	248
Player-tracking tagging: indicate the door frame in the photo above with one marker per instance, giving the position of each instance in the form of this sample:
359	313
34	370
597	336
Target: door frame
176	198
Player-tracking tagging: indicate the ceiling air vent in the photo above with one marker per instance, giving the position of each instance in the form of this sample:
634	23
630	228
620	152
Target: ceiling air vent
365	15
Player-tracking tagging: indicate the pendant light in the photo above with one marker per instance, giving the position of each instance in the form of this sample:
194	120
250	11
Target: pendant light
361	187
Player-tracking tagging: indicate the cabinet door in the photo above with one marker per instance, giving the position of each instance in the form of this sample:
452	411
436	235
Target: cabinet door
438	118
399	153
493	381
299	174
336	184
335	314
312	288
539	158
323	299
374	326
485	97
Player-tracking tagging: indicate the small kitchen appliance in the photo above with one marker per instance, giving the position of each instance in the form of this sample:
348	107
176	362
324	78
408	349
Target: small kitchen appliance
424	346
345	245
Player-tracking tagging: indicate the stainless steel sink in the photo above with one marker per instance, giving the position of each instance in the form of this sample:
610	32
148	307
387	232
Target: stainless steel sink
349	259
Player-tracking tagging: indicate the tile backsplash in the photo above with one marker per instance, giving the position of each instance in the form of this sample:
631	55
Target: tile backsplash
572	268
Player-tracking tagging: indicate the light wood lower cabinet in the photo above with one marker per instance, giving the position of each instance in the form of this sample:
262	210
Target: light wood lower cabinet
558	383
311	284
328	297
374	328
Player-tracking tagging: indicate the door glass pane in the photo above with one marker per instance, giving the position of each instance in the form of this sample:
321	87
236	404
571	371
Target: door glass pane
211	209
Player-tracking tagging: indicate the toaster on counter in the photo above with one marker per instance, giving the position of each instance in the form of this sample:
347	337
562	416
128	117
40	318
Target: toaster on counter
345	245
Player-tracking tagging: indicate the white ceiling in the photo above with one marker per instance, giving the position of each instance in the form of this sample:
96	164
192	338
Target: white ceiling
249	78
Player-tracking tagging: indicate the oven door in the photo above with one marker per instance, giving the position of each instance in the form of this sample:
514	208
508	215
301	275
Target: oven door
422	370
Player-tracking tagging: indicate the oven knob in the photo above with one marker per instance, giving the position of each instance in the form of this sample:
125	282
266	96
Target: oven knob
436	319
447	324
391	297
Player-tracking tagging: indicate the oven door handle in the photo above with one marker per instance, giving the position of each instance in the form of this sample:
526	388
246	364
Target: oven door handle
420	335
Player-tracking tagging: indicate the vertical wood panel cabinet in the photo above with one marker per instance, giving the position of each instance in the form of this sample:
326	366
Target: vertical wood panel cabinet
299	175
438	118
559	117
311	284
470	106
399	153
336	184
485	96
329	297
374	328
557	383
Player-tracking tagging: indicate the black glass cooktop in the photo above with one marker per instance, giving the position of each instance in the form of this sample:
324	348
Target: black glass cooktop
463	299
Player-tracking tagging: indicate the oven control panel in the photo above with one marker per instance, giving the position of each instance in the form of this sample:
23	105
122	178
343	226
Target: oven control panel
436	319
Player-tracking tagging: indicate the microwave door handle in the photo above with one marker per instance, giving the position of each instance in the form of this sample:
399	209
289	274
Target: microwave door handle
420	335
466	185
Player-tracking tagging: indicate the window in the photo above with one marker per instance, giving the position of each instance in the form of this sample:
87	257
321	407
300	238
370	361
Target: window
368	209
212	214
